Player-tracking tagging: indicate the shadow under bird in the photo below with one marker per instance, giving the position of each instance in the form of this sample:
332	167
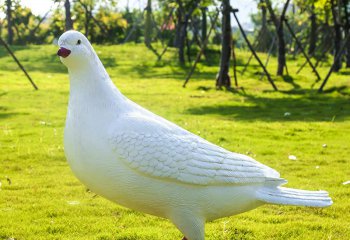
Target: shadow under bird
137	159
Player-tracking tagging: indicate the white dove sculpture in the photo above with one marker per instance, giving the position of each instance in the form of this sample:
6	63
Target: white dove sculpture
137	159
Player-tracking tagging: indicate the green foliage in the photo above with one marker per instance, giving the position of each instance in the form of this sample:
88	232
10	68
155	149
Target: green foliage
135	27
41	199
102	22
299	17
57	23
109	25
114	24
321	7
25	25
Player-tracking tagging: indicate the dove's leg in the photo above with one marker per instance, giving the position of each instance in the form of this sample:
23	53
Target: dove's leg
189	225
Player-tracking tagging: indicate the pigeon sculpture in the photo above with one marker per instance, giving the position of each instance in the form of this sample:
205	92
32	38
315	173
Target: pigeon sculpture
137	159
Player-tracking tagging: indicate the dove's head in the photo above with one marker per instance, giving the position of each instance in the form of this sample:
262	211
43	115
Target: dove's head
75	50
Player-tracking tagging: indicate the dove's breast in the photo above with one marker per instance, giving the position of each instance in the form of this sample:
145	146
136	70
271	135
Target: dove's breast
99	169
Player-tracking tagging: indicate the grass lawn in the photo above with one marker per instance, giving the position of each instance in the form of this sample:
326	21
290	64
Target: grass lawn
41	199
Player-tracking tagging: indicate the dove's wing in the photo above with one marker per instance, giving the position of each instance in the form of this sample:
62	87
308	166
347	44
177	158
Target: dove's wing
157	148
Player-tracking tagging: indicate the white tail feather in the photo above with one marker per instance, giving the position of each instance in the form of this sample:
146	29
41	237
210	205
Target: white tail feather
289	196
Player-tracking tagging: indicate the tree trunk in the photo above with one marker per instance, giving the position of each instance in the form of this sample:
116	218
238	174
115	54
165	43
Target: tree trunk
204	23
68	21
9	22
182	39
337	36
184	14
178	27
87	21
280	35
148	24
195	27
88	16
347	31
327	34
223	79
348	51
181	31
313	32
281	50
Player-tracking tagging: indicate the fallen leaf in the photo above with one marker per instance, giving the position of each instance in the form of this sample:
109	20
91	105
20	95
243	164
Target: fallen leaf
346	183
73	202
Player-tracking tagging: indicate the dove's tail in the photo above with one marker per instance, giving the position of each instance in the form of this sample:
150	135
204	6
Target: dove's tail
289	196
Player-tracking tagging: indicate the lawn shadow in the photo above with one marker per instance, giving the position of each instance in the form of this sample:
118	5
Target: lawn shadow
289	79
345	72
342	90
177	73
5	113
286	108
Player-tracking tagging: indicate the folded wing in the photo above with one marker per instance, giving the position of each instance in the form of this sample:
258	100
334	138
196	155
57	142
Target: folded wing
169	152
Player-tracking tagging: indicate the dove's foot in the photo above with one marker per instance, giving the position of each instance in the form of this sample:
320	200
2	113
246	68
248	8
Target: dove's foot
190	225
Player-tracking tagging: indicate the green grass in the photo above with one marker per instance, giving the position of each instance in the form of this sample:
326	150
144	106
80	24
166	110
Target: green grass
41	199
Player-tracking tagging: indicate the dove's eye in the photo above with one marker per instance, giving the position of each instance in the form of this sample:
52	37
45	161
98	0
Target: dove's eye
78	42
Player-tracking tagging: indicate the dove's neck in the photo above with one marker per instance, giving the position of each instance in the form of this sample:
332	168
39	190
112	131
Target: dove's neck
91	86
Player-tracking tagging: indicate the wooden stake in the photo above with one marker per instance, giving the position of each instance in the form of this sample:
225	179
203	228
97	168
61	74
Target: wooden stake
339	55
234	59
301	48
252	50
18	63
251	55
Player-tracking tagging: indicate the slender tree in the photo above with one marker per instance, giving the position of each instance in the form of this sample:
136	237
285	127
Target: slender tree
184	13
278	22
347	30
148	24
178	21
223	79
313	30
337	35
9	21
204	23
68	20
182	23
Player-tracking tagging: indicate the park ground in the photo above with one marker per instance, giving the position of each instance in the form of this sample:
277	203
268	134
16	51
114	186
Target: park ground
41	199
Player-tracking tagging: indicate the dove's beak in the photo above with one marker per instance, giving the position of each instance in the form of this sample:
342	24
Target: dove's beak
63	52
